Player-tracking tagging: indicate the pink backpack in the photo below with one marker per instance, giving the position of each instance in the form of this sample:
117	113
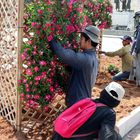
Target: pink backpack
74	117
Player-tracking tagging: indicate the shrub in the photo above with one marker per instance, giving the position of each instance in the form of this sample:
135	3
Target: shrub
113	70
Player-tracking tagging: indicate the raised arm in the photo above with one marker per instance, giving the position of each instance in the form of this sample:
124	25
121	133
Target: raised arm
68	56
119	52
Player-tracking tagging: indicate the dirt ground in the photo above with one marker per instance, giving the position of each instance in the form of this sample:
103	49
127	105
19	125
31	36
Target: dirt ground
132	93
129	103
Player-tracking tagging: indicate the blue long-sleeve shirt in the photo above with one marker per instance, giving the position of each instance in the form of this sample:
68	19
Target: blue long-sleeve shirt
84	71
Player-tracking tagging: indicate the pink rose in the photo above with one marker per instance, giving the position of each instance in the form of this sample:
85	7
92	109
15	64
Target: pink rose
47	97
52	63
29	72
47	25
50	37
22	95
33	24
28	63
23	57
46	108
51	89
37	78
40	12
36	97
28	96
42	63
36	68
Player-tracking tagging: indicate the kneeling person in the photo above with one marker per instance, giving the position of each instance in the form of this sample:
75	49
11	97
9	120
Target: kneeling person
101	124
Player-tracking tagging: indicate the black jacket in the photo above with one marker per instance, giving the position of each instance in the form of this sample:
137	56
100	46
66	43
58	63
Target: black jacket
102	122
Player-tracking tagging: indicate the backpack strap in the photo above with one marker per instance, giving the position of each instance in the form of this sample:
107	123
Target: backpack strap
83	135
100	104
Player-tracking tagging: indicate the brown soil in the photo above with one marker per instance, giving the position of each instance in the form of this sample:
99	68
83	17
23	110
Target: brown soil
129	103
132	93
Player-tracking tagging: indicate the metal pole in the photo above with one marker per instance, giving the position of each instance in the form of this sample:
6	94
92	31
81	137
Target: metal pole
100	48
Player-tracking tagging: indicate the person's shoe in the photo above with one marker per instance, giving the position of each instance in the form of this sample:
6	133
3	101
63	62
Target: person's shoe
131	81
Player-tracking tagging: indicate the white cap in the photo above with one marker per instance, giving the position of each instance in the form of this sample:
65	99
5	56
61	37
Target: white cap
113	86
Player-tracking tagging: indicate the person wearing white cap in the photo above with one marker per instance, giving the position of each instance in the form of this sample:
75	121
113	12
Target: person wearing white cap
84	64
126	57
101	124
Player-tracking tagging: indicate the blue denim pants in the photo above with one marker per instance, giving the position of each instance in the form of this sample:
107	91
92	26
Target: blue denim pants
121	76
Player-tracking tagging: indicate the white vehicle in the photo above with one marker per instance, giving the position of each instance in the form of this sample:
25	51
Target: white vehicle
123	20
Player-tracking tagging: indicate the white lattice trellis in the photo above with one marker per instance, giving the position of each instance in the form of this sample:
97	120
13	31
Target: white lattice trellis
8	59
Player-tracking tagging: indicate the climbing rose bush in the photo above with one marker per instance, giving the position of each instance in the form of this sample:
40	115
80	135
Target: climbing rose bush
44	75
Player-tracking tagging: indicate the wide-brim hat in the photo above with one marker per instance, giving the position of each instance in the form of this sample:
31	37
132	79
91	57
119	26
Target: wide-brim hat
92	32
117	88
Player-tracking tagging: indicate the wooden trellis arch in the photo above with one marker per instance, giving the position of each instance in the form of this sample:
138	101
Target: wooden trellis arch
36	124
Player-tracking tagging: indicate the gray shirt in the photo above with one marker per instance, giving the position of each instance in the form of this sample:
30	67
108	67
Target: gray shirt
136	45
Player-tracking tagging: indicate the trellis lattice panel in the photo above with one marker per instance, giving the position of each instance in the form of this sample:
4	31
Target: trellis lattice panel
8	59
38	124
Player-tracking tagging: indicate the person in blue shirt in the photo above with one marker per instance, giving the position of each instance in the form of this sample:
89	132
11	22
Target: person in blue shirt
84	64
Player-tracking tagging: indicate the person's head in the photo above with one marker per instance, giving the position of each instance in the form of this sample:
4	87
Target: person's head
89	37
112	94
137	19
126	40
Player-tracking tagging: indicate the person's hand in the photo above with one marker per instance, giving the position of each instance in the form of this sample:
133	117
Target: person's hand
134	54
101	52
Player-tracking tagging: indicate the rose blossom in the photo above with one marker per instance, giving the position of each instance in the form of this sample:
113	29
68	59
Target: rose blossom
47	97
37	78
22	95
33	24
42	63
40	12
50	37
23	57
36	68
29	72
28	96
46	108
51	89
36	97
